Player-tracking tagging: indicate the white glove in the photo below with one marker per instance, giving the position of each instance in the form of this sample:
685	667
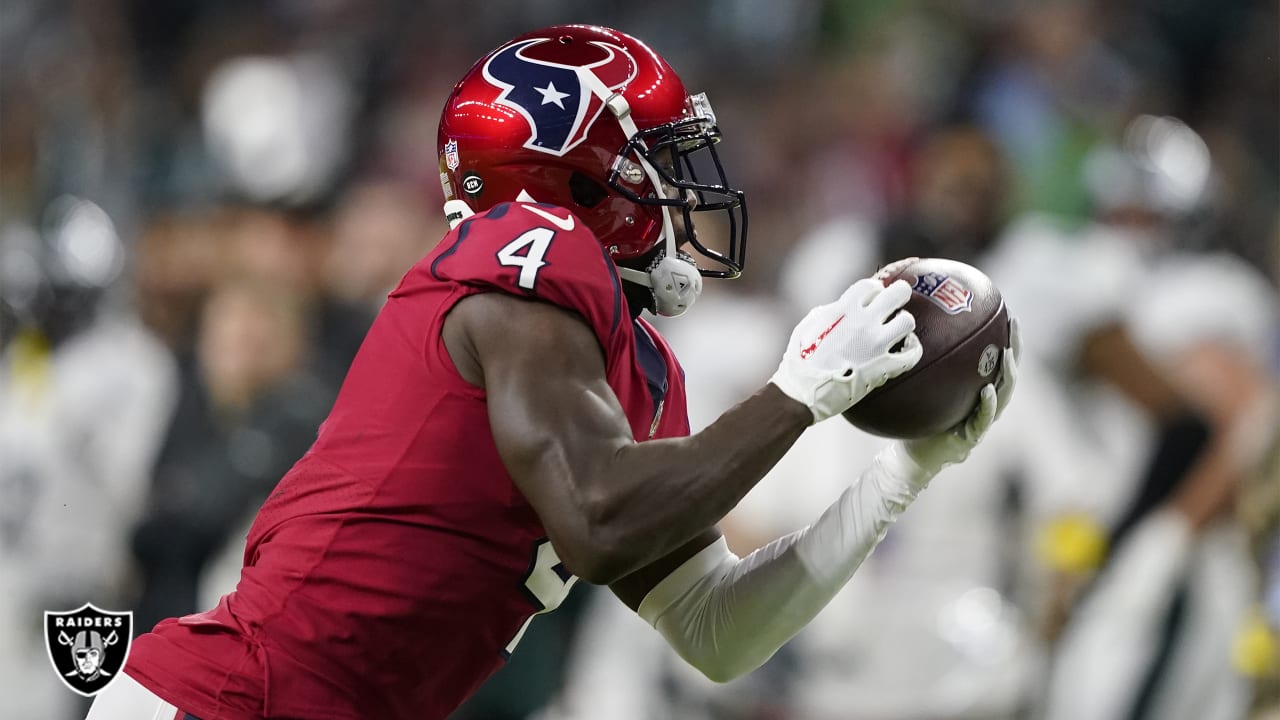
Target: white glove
953	446
840	352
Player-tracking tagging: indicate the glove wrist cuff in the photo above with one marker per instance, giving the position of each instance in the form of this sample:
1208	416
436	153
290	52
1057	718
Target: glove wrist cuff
795	391
901	464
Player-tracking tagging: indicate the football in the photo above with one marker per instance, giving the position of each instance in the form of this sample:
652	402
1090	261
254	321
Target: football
963	327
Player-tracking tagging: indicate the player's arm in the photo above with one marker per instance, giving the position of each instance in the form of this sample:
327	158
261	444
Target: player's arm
1192	469
611	505
1186	485
726	616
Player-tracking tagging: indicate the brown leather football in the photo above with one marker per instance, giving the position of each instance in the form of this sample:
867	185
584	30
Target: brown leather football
963	326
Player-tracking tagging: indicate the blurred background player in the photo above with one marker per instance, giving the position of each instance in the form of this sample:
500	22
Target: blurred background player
1174	592
1115	309
84	393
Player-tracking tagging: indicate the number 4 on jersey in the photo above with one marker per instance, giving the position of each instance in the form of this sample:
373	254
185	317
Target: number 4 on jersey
534	244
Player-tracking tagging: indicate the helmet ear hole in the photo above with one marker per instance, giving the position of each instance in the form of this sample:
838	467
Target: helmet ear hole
585	191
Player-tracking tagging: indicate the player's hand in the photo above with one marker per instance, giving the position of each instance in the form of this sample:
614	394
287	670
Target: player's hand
953	446
841	351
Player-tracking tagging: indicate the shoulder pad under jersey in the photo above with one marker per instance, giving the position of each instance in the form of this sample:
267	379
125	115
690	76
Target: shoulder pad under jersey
535	250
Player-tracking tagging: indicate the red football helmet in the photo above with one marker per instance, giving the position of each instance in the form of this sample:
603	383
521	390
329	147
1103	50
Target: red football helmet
593	120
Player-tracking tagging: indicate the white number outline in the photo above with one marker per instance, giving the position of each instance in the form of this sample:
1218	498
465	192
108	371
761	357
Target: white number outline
545	587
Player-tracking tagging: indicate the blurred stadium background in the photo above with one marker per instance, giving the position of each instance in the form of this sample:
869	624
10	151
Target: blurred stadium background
203	203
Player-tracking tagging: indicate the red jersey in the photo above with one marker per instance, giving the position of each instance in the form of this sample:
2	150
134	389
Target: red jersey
396	565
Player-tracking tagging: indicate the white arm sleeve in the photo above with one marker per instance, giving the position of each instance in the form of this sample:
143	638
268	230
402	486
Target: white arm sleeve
1114	632
726	616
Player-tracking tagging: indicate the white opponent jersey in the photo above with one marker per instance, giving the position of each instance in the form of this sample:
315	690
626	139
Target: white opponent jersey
79	430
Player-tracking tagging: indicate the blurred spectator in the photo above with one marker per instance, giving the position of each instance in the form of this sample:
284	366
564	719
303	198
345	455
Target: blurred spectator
291	249
960	198
179	257
380	230
248	409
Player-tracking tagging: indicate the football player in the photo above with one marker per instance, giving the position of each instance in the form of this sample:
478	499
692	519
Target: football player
511	424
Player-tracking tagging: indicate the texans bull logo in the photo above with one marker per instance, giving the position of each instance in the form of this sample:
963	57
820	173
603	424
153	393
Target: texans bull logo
556	98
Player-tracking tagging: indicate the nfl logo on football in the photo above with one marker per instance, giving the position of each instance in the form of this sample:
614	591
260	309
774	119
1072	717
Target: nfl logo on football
87	646
946	292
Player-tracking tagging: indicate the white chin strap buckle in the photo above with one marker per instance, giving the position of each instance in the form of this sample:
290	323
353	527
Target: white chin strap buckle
674	281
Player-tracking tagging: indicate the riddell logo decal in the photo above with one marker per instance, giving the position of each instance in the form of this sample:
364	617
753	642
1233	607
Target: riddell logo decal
806	352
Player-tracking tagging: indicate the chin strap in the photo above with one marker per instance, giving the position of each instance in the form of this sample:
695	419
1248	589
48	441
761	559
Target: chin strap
455	211
673	277
674	282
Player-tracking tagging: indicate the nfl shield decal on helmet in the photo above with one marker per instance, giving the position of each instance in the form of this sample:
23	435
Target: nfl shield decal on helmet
945	291
557	99
88	646
451	154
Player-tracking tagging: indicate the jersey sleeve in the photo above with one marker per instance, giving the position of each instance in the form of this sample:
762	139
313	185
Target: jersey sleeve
537	251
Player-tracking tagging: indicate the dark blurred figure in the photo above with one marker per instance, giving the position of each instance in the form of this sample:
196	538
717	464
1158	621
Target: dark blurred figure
248	409
958	199
380	229
340	266
179	258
